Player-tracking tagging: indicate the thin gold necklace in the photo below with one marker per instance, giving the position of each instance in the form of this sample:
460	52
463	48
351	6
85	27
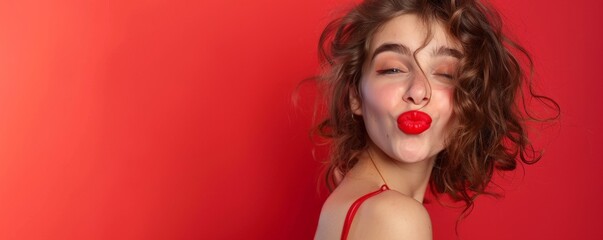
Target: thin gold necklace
376	168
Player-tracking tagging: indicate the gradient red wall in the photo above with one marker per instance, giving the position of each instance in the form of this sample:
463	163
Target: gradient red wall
172	120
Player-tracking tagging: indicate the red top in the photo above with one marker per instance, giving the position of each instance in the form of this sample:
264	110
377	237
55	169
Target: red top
352	211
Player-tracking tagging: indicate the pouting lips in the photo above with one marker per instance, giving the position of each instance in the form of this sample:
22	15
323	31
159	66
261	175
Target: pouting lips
414	122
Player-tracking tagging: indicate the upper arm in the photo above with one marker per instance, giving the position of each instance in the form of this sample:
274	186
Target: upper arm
391	215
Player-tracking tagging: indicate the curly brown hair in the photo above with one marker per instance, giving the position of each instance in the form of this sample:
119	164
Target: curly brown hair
489	103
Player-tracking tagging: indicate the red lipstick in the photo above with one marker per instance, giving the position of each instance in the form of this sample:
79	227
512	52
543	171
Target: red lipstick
414	122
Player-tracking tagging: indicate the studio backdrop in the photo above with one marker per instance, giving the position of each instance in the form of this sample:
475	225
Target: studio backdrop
162	119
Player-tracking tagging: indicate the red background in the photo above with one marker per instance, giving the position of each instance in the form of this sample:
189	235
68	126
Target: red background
172	120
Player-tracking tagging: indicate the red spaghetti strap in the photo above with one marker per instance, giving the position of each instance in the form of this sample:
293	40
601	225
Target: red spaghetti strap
352	211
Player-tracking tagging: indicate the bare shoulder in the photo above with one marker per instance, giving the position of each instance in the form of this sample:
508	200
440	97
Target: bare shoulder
391	215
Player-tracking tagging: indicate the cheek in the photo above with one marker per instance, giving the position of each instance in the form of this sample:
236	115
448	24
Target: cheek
444	94
444	103
380	98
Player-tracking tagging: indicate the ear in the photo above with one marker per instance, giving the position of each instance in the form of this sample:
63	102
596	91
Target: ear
355	102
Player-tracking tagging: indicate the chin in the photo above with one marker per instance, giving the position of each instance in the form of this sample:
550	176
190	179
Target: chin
412	157
409	154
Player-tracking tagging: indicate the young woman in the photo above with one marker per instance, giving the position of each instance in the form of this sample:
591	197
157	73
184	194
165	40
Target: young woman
420	92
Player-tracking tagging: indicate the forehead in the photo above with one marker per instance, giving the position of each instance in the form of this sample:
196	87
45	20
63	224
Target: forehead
409	30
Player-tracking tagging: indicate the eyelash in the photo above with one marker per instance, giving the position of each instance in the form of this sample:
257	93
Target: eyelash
444	75
390	71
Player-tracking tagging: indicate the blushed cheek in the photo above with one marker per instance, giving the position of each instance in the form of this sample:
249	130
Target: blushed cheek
376	106
447	113
382	98
446	94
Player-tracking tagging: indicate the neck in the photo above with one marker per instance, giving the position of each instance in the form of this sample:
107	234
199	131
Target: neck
410	179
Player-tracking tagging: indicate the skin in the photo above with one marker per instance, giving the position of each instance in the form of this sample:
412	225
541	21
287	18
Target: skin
394	82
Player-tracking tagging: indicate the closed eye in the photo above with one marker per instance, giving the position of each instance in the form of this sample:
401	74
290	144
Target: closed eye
389	71
446	75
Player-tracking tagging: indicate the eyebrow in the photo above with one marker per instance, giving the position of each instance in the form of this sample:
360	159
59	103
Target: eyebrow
391	47
446	51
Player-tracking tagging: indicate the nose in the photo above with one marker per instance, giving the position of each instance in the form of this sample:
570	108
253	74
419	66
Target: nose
418	90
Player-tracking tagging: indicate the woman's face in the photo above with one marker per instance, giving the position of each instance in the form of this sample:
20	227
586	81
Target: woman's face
406	104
